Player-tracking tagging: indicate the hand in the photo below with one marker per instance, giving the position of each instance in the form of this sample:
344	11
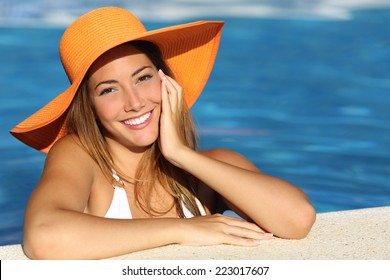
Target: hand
218	229
172	104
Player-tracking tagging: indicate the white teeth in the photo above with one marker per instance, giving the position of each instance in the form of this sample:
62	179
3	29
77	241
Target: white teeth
139	120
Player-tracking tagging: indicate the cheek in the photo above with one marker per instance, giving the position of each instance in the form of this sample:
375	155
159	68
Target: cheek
154	92
105	110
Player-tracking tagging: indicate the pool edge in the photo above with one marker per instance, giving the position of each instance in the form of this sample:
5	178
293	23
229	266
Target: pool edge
361	234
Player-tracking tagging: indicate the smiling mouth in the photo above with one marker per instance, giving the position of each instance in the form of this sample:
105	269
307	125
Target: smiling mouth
139	120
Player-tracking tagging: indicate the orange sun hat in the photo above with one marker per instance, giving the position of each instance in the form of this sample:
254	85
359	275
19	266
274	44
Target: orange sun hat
189	49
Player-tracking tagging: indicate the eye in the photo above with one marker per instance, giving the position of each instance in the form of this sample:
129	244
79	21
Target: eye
144	78
106	91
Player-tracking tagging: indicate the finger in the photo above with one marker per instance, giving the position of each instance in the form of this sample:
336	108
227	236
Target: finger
178	90
172	93
164	92
243	228
239	223
171	90
175	91
247	233
240	241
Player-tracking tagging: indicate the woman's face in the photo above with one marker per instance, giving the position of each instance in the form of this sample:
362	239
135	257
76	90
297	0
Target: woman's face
126	94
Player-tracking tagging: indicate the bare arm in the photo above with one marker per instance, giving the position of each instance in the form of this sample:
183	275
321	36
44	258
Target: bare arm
273	204
56	226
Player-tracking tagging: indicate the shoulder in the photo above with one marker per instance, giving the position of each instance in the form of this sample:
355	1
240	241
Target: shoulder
68	153
69	141
67	146
67	178
230	157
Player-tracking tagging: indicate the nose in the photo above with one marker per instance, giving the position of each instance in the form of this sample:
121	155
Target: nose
132	100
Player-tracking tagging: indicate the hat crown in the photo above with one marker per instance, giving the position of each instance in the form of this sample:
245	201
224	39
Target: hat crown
93	34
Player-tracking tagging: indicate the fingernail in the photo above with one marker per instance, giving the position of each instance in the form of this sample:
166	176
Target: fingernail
256	241
268	234
161	71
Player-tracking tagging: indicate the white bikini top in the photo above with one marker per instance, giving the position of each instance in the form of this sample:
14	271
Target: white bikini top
120	209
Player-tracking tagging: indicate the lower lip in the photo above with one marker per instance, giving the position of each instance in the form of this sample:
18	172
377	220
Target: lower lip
141	125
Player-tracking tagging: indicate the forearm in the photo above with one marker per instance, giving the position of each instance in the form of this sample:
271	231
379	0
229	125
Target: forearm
272	203
72	235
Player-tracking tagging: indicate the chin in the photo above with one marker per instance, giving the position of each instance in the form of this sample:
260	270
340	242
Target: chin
146	141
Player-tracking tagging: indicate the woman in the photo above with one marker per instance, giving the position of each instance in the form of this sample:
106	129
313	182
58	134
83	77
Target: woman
122	167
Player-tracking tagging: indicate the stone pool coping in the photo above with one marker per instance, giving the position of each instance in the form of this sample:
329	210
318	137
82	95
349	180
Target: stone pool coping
362	234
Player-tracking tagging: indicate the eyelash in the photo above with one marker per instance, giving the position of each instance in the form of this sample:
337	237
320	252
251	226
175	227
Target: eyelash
144	78
106	91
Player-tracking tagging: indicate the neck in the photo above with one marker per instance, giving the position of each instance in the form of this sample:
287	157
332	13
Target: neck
127	159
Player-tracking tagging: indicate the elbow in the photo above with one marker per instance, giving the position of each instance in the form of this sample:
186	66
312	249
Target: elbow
303	221
39	244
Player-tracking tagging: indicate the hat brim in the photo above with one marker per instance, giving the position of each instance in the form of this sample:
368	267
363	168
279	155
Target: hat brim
189	49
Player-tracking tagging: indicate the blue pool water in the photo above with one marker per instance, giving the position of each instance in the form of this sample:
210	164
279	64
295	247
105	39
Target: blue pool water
305	98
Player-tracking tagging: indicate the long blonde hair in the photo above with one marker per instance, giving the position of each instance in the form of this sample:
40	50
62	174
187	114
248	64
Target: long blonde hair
153	167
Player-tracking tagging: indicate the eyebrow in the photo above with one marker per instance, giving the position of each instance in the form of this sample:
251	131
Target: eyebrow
140	70
115	81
